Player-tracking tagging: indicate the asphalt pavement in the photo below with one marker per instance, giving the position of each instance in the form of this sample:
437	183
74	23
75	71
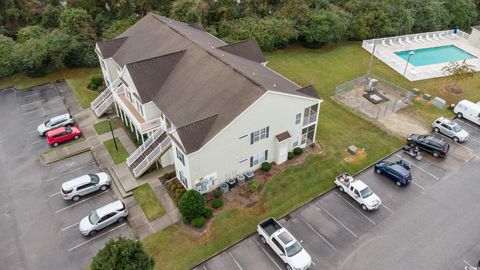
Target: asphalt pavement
38	229
429	224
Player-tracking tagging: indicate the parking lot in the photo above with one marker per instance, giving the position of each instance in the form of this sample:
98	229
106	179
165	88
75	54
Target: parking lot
430	224
39	230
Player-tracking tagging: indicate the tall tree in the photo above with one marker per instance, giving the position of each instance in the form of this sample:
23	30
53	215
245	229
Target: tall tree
122	254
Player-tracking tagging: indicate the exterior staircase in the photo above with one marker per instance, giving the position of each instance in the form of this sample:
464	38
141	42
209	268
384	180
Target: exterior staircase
153	148
105	99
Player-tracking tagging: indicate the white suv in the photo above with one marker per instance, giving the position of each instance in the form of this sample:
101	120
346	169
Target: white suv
54	122
450	129
83	185
102	217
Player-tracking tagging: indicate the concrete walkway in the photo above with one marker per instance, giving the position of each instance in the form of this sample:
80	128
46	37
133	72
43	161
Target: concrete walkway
123	181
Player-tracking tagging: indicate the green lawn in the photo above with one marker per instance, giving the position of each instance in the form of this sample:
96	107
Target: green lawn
117	156
148	201
338	128
77	79
103	126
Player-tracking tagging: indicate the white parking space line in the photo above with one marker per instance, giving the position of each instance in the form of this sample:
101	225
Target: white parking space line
338	221
36	101
235	260
316	232
54	194
459	144
467	263
468	124
473	140
386	207
38	141
420	168
82	201
356	209
204	267
32	94
91	239
69	172
266	253
419	186
68	227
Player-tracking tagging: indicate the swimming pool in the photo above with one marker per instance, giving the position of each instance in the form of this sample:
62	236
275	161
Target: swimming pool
435	55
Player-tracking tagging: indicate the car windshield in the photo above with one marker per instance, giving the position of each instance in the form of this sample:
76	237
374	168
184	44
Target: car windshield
93	217
47	122
94	178
293	249
68	129
366	192
457	128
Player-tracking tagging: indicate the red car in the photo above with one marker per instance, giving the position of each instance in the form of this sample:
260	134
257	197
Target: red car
63	134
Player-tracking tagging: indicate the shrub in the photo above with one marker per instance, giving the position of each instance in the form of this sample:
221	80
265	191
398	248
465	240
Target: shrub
266	166
254	185
95	82
217	194
169	175
122	253
298	151
198	222
208	213
217	203
172	186
191	204
290	155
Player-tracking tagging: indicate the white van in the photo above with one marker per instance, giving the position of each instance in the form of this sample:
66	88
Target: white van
468	110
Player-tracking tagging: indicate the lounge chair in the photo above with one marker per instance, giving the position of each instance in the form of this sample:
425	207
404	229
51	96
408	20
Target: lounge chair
400	42
441	37
408	40
390	42
384	43
421	39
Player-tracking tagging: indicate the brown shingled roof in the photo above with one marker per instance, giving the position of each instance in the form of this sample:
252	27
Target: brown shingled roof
283	136
248	49
109	47
309	91
201	81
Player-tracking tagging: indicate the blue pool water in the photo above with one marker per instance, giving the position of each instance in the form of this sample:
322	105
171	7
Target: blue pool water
435	55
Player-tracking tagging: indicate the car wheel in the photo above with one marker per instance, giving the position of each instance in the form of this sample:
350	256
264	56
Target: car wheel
76	137
288	267
436	129
364	207
103	188
92	233
340	188
76	198
378	171
459	115
55	144
120	219
68	125
398	184
263	239
435	154
455	139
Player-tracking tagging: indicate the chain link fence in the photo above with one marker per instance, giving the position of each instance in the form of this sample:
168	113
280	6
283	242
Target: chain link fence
352	93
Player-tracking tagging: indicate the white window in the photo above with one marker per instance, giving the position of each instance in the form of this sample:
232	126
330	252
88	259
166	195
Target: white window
295	142
180	156
298	118
183	179
258	158
259	135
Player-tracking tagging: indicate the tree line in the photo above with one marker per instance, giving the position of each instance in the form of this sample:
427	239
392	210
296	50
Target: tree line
38	37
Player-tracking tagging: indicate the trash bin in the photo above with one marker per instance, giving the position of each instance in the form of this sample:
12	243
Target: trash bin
240	179
249	175
231	183
224	188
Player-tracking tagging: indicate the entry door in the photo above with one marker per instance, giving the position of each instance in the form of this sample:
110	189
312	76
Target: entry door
283	154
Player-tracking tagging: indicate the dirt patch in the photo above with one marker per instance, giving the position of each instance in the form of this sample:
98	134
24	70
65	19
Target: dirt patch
357	158
401	124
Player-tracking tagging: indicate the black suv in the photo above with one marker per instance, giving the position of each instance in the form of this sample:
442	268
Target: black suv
437	146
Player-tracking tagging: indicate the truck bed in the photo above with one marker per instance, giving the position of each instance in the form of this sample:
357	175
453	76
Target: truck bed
270	226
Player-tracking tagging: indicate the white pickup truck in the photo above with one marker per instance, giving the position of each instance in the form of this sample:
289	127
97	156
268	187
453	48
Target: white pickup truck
359	191
284	245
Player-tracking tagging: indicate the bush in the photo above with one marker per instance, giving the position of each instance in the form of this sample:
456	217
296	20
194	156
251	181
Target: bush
122	253
171	185
290	155
198	222
95	82
208	213
217	194
254	185
169	175
297	151
266	166
191	204
217	203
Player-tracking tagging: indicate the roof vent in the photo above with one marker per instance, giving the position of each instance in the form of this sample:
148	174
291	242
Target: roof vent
212	47
223	54
274	85
253	73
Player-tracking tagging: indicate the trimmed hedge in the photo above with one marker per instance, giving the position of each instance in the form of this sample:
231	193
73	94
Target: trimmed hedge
208	213
266	166
198	222
191	205
298	151
290	155
217	203
254	185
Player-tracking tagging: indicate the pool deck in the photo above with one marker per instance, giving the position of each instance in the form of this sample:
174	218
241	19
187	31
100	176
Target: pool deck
385	49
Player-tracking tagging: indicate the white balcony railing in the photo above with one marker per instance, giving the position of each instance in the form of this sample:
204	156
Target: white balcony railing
138	170
140	150
103	106
105	94
310	119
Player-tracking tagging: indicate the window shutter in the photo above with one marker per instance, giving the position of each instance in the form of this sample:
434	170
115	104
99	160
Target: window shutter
251	161
266	155
251	138
267	132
